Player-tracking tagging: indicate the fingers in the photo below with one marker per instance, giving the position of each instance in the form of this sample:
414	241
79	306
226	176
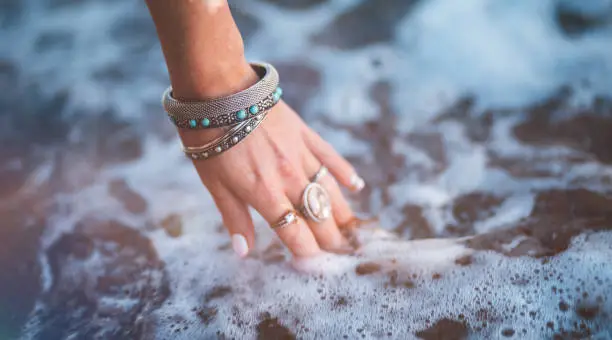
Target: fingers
325	232
272	179
340	207
273	205
343	213
260	185
237	220
342	170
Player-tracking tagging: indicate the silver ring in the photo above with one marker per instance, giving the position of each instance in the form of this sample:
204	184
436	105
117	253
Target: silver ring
322	172
316	204
290	217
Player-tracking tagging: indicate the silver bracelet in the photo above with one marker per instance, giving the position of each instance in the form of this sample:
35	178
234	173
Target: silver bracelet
229	110
231	138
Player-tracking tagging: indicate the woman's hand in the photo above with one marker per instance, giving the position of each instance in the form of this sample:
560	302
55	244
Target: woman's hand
269	171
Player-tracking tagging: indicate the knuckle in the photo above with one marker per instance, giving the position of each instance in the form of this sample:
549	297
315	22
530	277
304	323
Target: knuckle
285	167
252	179
266	191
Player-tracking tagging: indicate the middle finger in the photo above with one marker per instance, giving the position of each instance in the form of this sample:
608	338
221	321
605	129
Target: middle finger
326	232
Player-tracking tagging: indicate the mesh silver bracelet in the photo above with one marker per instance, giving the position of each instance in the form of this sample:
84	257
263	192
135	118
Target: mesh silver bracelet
229	110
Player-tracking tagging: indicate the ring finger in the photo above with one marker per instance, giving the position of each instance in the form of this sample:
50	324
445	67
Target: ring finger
296	234
326	232
341	209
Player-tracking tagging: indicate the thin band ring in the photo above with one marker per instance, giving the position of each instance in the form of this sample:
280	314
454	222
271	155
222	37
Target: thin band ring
320	173
290	217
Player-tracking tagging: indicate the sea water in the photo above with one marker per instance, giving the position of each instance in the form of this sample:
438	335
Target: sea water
480	127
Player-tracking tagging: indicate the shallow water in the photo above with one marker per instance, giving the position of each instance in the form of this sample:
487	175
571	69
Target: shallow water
483	129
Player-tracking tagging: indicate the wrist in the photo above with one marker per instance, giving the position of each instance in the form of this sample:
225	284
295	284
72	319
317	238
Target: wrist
227	79
213	80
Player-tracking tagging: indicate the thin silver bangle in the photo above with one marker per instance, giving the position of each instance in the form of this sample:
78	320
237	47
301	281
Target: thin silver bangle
230	139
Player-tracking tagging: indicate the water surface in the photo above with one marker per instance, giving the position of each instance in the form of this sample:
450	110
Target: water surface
483	129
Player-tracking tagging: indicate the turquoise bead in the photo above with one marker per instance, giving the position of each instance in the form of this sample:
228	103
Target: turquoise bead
241	115
193	123
254	109
279	91
276	97
205	122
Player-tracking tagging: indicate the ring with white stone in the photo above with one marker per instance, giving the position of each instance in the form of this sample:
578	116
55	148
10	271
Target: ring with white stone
320	173
290	217
316	205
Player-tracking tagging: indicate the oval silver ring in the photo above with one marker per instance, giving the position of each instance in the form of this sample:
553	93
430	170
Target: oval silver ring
320	173
316	204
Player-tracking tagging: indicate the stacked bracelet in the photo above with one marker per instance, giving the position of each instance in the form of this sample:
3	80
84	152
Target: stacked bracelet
230	110
242	112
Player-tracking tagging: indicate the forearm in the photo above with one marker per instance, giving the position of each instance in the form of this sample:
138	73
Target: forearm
203	48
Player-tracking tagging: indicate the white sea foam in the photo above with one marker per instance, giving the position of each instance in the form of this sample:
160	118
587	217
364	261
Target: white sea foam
513	209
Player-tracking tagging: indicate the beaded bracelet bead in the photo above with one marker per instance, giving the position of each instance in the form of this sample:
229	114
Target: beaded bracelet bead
229	110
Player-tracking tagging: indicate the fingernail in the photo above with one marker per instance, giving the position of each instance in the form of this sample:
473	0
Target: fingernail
357	183
240	245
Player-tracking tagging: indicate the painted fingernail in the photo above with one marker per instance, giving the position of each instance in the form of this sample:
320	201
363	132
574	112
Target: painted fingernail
357	183
240	245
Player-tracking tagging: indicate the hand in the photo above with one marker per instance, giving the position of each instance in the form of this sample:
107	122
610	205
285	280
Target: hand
269	171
